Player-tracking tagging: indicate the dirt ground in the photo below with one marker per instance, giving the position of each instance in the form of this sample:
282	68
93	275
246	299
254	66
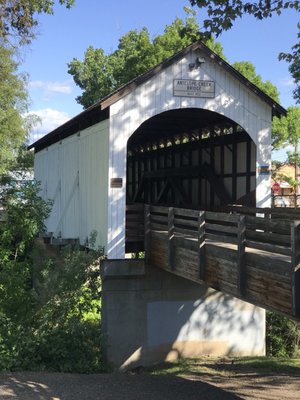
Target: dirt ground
143	386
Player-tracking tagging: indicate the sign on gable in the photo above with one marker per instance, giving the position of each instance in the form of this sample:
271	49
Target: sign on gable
193	88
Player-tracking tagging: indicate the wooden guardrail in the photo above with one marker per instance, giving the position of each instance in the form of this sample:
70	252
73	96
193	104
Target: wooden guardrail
253	258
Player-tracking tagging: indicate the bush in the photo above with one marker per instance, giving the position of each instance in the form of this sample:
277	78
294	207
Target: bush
49	305
283	336
53	325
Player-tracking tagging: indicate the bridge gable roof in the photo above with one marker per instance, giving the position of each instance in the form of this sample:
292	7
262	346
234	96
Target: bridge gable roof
100	110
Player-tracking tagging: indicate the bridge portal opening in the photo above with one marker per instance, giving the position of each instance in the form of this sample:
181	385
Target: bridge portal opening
191	158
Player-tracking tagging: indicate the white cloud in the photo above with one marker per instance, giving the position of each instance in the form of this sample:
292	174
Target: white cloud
50	88
49	120
287	81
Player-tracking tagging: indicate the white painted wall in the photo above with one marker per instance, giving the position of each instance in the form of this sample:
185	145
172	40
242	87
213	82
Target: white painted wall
232	99
74	174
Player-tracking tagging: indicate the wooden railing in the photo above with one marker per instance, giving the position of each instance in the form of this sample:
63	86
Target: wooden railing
253	258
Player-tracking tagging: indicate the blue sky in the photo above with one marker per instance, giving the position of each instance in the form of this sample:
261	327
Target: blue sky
68	33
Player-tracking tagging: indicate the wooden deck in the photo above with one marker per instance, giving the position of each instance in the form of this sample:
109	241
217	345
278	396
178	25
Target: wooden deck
255	258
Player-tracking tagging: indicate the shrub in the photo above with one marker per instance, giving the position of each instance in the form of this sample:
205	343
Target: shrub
283	336
49	305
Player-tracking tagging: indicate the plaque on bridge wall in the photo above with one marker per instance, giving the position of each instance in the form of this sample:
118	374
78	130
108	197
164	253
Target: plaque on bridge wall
193	88
263	170
116	182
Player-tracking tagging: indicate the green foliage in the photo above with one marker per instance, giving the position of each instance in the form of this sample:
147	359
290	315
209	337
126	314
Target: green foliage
25	212
18	17
99	74
221	16
49	301
294	59
283	336
247	69
13	103
66	321
228	366
50	312
286	130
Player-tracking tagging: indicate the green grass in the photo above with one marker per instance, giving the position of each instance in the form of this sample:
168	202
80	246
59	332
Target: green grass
229	366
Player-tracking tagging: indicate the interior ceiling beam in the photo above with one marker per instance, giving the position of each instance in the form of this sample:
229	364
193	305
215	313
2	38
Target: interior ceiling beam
223	140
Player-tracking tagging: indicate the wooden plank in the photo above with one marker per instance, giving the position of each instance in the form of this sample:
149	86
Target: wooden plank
138	237
272	248
268	237
282	275
223	268
134	224
187	232
217	216
186	222
276	226
260	300
295	235
201	244
263	281
147	236
159	210
221	228
283	213
186	261
221	238
248	166
220	252
159	236
135	207
241	265
181	212
159	218
158	227
278	296
171	238
276	264
140	190
181	241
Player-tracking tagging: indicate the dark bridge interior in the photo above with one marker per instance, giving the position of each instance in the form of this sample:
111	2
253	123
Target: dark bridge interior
191	158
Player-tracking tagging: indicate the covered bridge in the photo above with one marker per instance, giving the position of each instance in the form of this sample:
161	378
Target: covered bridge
191	132
178	144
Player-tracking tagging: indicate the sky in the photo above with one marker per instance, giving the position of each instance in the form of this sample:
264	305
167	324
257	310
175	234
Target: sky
68	33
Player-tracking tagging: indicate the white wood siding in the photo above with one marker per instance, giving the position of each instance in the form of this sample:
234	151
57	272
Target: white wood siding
74	174
232	99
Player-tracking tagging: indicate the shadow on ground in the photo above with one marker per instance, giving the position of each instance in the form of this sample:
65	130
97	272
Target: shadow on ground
58	386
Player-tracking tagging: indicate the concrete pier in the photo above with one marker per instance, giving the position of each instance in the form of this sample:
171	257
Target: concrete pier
150	316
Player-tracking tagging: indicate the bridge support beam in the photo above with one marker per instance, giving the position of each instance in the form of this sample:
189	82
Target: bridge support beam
150	315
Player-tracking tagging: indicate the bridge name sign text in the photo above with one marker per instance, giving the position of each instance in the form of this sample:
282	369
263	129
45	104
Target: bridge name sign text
193	88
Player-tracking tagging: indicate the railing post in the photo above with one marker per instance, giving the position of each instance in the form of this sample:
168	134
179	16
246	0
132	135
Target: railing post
295	239
241	264
171	229
147	234
201	244
267	219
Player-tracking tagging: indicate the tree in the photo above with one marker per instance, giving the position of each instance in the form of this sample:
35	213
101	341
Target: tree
286	132
294	59
13	104
247	69
18	17
99	74
222	15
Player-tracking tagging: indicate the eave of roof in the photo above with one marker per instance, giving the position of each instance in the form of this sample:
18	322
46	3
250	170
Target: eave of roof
100	110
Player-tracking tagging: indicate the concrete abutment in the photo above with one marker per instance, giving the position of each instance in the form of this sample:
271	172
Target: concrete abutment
150	315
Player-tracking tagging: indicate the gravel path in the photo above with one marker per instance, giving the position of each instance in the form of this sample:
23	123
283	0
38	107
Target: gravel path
56	386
